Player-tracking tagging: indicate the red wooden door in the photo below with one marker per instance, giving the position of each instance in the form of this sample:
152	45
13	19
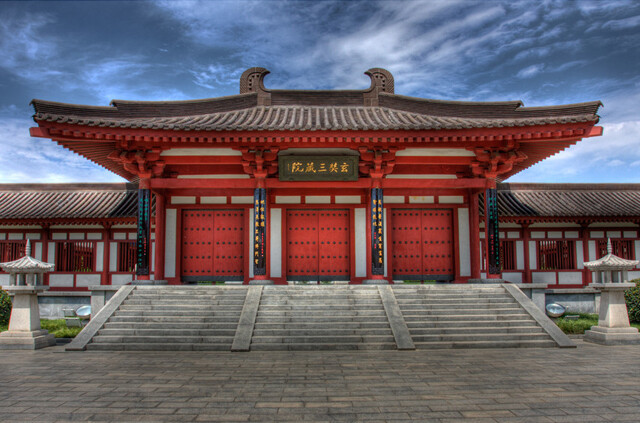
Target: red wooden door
302	244
228	257
318	245
212	245
422	244
334	244
406	239
437	244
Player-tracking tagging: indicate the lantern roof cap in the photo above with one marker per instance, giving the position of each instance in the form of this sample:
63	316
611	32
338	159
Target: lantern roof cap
27	264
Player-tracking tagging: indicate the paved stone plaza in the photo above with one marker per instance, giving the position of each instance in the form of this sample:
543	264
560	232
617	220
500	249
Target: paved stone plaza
589	384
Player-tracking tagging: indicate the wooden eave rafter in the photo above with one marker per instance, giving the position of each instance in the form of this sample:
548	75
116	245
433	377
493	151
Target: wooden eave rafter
96	144
566	219
47	222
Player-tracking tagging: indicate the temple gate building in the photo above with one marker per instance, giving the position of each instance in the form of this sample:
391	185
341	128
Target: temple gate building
358	186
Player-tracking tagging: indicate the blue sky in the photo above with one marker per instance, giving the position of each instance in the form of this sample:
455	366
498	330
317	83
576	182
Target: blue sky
540	52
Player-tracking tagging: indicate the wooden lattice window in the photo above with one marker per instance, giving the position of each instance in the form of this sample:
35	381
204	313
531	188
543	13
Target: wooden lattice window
556	254
75	256
126	256
11	250
621	247
508	255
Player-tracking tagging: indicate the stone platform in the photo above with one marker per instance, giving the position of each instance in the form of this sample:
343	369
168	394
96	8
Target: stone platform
537	385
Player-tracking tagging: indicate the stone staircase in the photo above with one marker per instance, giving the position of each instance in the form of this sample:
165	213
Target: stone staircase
176	318
468	316
321	318
331	317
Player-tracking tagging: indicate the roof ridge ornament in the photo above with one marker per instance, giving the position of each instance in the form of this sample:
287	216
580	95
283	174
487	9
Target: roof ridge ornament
382	80
609	249
27	248
252	81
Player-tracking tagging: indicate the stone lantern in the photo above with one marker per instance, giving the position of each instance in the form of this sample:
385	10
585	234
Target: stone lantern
612	280
25	282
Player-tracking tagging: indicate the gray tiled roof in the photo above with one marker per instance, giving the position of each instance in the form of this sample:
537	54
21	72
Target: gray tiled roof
569	200
312	111
68	201
105	201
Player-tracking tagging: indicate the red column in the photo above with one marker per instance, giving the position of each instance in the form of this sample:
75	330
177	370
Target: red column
526	278
160	235
586	274
474	231
45	250
106	256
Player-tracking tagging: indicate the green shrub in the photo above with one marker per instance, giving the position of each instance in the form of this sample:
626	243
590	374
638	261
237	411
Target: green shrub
632	297
5	307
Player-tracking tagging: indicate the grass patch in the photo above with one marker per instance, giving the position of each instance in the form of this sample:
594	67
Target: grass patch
59	328
582	323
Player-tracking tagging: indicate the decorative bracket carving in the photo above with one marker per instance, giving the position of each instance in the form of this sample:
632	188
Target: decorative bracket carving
260	163
143	163
376	163
492	162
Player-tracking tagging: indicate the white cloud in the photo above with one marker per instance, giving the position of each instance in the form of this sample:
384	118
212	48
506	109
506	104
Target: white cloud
22	46
530	71
25	159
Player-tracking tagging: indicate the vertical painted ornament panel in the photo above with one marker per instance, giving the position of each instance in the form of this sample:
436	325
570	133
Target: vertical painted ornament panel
377	232
493	232
143	240
259	232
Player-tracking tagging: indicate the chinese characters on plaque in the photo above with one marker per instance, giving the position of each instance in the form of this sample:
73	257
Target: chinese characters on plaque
259	216
493	232
377	234
318	168
144	229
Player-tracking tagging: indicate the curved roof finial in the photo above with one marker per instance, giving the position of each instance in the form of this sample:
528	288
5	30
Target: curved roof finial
252	80
381	79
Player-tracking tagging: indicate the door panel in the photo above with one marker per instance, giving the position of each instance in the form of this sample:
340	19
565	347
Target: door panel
318	245
437	245
334	244
422	244
406	239
212	245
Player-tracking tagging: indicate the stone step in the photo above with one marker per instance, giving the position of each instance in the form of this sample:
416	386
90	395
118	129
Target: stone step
468	317
480	336
288	332
184	309
181	302
312	308
107	339
158	347
322	347
456	301
434	296
475	305
171	325
471	324
328	319
334	339
484	344
314	301
366	325
171	319
170	313
425	312
475	330
167	332
307	313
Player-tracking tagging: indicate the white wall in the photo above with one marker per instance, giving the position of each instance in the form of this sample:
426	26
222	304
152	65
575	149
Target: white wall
464	242
360	229
170	243
276	243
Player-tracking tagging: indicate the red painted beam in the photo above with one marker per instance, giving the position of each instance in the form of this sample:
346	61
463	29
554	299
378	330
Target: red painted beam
434	183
